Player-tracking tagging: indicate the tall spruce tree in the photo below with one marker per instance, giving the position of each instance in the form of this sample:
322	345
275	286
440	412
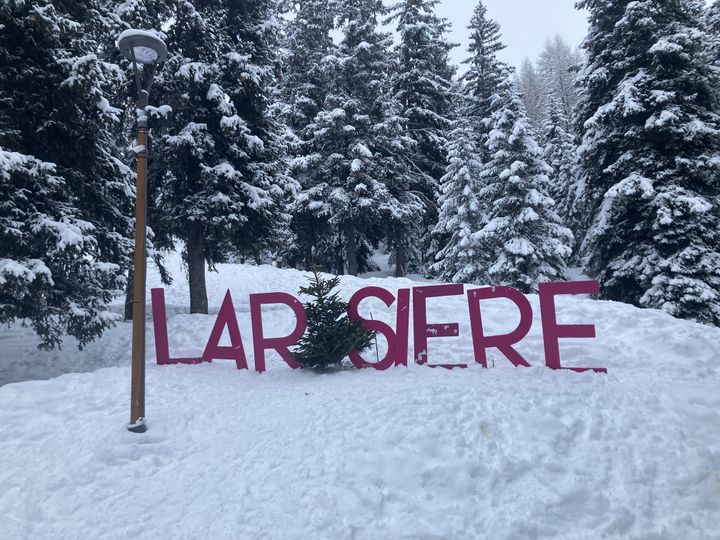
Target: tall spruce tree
421	88
522	241
224	186
65	220
557	67
649	161
472	110
307	79
460	211
712	18
485	71
353	150
559	151
531	90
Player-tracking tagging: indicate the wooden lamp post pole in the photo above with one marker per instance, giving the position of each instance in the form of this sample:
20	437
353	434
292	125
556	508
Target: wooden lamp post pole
146	48
137	394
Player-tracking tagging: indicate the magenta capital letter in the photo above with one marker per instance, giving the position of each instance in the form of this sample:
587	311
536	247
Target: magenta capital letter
279	344
226	318
162	348
423	330
504	343
552	331
397	351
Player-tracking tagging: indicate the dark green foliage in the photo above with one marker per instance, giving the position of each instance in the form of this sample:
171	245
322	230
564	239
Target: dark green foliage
647	206
331	335
485	71
65	194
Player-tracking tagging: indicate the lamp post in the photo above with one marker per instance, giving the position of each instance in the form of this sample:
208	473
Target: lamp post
144	48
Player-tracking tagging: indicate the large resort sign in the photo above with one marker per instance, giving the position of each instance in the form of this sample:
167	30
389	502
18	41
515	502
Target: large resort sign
398	337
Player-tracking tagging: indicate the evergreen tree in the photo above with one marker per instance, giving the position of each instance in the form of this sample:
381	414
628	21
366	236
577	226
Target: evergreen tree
330	335
460	211
559	152
422	89
522	241
485	72
531	90
308	78
712	19
459	186
353	149
224	183
114	18
557	67
649	157
65	216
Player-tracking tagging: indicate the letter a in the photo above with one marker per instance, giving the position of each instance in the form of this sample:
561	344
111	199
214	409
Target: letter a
226	318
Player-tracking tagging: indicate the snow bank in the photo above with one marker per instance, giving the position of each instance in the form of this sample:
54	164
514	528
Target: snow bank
409	453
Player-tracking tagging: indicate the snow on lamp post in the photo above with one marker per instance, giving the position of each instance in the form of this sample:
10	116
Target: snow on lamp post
144	48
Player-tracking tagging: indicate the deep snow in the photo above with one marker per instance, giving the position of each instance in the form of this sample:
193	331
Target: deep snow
408	453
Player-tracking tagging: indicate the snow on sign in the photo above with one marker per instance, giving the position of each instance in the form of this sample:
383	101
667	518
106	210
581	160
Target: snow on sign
398	337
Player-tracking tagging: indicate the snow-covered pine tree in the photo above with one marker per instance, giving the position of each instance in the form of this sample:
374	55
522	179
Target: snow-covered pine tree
65	220
523	241
331	335
559	151
352	149
308	74
306	80
712	28
117	17
224	186
472	110
712	18
532	93
421	88
649	150
460	212
485	71
557	67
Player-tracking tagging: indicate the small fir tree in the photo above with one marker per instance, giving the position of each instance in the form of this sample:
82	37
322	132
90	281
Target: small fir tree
331	335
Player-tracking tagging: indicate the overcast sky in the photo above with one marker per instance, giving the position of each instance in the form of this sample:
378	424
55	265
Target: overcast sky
526	24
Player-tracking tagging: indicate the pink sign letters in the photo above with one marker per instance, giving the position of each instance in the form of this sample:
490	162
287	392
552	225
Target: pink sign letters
398	337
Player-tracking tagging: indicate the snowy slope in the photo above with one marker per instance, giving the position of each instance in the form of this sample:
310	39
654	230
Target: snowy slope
411	453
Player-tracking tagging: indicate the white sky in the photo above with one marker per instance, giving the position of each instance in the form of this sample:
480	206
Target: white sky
525	25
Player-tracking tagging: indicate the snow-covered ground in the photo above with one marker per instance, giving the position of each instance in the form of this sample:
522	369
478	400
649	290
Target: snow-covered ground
414	453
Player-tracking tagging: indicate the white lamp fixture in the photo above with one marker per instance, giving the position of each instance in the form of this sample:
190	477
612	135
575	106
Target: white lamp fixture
142	46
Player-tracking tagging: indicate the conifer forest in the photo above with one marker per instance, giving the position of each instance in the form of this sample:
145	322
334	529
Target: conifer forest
313	134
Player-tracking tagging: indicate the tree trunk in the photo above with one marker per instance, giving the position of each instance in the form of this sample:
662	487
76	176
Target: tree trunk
196	270
351	251
129	294
309	263
400	255
339	263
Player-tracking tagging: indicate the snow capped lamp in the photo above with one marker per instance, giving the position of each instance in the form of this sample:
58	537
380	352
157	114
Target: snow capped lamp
145	48
142	48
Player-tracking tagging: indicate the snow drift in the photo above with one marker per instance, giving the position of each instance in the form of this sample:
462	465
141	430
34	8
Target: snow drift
409	453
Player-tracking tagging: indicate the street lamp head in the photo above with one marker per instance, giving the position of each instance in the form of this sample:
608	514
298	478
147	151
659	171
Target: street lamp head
142	46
